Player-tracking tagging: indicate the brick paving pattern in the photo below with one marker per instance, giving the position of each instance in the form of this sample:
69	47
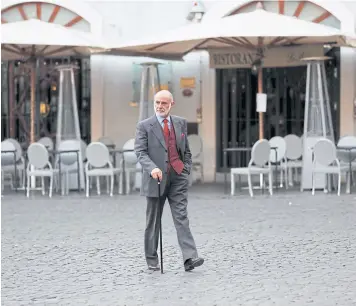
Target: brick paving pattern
289	249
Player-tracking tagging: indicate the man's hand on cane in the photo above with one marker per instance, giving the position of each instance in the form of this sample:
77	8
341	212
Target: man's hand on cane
156	174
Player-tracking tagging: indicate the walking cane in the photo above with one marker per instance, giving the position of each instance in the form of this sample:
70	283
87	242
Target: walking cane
160	223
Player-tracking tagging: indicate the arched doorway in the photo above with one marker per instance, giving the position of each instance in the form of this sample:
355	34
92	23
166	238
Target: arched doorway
237	119
16	78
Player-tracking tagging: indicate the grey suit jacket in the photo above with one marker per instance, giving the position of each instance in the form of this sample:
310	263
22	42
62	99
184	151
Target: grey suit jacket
151	151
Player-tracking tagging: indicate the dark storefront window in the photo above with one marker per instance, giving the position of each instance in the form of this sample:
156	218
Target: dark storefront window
16	97
237	119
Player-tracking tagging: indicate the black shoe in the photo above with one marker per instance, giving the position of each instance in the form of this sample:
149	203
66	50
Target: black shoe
154	267
192	263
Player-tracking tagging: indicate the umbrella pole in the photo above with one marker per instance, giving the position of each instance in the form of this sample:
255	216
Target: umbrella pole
32	113
33	102
260	90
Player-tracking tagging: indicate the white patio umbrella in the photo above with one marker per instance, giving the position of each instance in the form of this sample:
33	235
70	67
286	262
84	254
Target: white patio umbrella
257	30
248	30
33	38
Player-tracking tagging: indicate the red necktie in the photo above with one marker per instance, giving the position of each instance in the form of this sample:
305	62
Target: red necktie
166	128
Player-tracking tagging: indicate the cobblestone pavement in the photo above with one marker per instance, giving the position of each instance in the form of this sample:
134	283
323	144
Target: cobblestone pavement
289	249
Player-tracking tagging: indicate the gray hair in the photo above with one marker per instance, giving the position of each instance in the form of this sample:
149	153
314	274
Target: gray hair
165	93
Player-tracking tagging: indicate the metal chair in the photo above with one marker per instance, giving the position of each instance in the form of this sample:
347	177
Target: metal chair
7	161
347	157
325	161
259	164
344	156
294	153
98	164
20	163
277	156
39	166
131	166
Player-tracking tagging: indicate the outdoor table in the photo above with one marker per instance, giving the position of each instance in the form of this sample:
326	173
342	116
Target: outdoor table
120	151
15	166
349	149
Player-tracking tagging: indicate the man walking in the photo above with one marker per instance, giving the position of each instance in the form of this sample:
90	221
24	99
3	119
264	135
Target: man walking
162	149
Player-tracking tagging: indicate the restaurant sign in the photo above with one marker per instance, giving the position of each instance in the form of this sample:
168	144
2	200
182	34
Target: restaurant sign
275	57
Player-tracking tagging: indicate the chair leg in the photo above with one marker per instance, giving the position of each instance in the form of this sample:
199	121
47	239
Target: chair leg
67	183
301	186
98	185
270	183
232	182
289	176
43	185
50	185
339	184
250	189
281	178
87	186
28	186
24	179
327	183
118	182
21	179
58	180
62	183
112	185
313	183
108	184
121	184
348	183
128	182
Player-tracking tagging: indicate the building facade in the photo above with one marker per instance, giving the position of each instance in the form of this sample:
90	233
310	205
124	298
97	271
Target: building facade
114	81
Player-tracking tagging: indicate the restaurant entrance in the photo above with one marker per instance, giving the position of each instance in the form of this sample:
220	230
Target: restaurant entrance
237	119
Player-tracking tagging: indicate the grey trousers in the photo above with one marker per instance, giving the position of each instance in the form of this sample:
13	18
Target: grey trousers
176	192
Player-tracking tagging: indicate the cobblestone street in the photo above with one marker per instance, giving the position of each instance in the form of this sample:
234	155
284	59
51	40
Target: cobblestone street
289	249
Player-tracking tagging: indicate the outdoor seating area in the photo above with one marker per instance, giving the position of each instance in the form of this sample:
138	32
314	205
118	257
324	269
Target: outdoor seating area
73	165
57	168
277	162
281	160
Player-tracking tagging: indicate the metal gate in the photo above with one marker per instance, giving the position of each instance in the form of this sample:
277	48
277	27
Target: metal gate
237	119
15	98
